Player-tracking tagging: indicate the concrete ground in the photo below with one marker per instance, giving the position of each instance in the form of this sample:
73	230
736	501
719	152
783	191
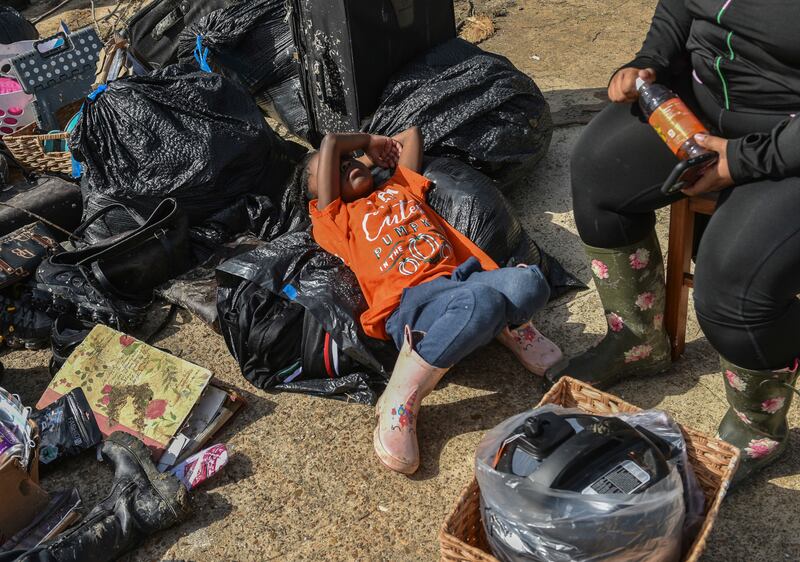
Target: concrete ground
303	483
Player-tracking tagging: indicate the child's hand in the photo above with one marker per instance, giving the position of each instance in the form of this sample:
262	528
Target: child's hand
384	151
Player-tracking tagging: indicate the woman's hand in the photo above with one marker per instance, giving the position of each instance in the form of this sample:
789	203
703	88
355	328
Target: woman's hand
622	88
383	151
717	176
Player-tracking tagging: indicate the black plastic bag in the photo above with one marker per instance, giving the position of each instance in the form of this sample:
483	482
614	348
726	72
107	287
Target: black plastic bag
67	427
177	132
293	270
252	42
278	344
293	265
471	105
472	203
14	27
263	332
358	387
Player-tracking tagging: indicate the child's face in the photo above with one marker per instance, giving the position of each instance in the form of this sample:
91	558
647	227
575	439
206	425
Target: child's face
355	179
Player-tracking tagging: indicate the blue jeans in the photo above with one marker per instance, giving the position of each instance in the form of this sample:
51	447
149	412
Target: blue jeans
461	313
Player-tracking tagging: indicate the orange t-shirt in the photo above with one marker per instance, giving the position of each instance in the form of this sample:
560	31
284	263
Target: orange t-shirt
392	240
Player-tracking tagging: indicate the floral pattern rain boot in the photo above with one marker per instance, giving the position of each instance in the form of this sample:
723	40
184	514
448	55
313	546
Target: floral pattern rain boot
536	353
756	419
395	437
630	281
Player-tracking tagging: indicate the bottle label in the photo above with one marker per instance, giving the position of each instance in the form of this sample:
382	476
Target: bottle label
675	124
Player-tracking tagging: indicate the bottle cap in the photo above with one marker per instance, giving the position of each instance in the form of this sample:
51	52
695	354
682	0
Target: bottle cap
639	84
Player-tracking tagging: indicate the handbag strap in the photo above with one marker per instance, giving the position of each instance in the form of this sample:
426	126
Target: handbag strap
144	233
77	234
147	229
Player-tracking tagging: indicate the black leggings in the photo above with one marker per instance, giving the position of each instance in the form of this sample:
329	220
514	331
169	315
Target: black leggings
747	274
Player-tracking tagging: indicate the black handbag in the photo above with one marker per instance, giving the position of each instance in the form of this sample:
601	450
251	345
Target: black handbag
22	251
134	263
113	280
153	31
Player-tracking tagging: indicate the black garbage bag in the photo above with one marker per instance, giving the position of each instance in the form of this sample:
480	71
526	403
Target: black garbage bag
218	239
196	290
472	203
14	27
258	298
176	132
471	105
252	42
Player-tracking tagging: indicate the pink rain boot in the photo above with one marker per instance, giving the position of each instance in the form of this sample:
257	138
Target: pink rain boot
395	437
536	353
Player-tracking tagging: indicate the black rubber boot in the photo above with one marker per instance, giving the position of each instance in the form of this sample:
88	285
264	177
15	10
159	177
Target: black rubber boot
142	502
22	325
68	332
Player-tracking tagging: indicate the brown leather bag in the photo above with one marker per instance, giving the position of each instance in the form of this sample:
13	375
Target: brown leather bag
23	250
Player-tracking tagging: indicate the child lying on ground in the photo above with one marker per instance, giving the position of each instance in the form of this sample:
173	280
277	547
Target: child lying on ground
428	287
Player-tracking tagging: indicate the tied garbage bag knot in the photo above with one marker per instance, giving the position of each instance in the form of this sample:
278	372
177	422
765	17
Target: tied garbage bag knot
77	171
201	55
251	42
97	91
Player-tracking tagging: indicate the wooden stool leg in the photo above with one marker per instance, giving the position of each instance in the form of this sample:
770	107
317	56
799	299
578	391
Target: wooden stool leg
681	232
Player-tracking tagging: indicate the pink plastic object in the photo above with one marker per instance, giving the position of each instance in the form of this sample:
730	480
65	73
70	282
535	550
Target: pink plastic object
13	101
201	466
8	85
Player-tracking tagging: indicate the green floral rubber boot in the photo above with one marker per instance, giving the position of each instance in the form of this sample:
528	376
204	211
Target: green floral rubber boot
630	281
756	419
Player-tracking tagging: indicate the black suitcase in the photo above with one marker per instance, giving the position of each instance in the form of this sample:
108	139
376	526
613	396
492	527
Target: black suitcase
348	49
153	31
47	198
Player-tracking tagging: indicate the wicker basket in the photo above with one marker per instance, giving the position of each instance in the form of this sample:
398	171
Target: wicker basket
462	537
28	148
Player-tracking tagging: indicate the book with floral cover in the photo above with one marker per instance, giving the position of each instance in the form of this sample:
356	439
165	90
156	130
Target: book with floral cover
131	386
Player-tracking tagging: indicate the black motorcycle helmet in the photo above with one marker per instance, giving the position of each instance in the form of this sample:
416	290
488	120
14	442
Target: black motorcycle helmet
561	485
584	453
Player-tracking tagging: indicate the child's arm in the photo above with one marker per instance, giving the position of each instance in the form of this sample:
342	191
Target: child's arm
381	150
411	143
411	155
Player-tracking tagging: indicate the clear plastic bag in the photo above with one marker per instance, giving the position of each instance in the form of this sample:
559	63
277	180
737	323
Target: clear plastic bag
527	521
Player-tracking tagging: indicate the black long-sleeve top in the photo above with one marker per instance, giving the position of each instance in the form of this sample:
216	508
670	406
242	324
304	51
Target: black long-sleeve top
747	52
